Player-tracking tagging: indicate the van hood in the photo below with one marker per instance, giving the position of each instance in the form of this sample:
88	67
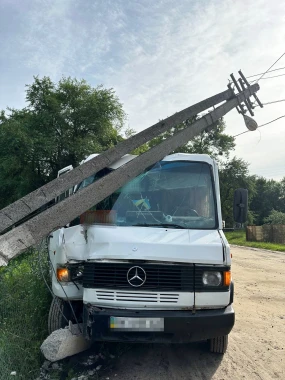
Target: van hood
98	242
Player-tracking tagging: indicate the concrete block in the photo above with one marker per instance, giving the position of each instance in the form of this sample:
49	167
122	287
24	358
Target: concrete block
63	343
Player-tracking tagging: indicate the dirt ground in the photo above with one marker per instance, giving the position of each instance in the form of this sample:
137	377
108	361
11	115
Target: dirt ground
256	344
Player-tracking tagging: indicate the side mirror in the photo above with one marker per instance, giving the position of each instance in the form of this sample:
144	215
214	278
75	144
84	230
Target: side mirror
240	205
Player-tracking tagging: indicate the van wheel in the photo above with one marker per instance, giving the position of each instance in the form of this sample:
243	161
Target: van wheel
60	314
219	344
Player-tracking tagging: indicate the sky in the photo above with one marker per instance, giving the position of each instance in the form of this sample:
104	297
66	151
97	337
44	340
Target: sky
159	56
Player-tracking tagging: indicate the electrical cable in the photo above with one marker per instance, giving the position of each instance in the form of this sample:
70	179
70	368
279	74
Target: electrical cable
49	288
270	67
280	117
275	101
274	76
71	307
269	71
241	133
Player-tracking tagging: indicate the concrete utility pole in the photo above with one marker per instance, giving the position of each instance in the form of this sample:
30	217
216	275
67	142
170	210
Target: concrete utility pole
35	229
38	198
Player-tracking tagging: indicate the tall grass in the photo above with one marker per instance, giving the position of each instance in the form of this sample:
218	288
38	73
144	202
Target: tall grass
24	305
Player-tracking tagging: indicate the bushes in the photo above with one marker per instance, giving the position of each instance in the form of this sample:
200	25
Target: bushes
275	217
24	305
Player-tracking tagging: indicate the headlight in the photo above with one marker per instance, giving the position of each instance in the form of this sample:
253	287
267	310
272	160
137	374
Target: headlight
212	278
71	272
63	274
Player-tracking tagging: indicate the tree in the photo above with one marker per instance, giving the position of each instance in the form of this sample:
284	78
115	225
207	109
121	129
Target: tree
129	132
61	124
281	203
214	142
233	175
268	196
275	217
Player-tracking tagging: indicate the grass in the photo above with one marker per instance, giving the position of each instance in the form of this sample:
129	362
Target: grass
24	305
239	238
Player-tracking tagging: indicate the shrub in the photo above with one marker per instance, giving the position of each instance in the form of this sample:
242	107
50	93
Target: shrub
275	217
24	306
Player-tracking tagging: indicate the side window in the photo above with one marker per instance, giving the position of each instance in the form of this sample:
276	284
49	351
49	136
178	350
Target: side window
68	192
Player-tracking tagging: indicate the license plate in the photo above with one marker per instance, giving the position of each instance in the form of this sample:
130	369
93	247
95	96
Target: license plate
136	324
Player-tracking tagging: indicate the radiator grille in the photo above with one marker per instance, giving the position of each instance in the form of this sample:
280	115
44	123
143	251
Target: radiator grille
158	277
127	296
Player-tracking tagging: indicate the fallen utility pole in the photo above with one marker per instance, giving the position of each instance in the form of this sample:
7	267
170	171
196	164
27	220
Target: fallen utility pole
38	198
35	229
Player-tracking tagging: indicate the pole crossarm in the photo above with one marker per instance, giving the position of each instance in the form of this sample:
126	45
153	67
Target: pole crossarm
35	229
40	197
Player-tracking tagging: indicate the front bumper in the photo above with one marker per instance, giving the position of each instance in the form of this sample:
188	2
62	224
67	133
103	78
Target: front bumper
179	326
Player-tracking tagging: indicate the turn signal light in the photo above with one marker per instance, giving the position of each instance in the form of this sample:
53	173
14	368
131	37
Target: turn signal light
62	274
227	278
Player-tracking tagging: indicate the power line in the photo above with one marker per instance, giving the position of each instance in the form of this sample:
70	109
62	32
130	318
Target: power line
274	76
270	67
261	78
241	133
269	71
275	101
280	117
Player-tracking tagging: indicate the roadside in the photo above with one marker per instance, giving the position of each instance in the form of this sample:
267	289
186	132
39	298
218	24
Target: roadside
238	238
256	345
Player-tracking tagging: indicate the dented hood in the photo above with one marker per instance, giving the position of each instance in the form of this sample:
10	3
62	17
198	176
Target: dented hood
141	243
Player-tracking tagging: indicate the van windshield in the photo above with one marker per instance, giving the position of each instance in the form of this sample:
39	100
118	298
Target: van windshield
172	194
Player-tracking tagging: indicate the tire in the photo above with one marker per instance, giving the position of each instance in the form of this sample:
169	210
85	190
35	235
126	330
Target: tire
219	344
60	313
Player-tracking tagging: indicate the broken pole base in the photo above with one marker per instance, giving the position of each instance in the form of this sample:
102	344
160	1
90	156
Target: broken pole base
63	343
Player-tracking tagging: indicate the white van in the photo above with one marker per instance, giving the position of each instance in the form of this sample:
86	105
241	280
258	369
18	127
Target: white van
150	263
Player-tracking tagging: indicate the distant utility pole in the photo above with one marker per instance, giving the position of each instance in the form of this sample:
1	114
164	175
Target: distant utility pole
15	241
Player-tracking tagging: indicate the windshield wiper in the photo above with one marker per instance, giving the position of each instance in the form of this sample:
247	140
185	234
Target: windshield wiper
164	225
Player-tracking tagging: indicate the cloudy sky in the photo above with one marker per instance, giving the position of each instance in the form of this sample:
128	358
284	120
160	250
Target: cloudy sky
160	57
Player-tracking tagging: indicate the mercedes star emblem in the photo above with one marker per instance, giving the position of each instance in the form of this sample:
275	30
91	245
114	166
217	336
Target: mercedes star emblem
136	276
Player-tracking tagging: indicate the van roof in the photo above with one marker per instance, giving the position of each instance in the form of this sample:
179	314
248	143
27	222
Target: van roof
171	157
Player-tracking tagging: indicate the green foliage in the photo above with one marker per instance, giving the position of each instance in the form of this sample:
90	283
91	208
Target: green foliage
250	218
129	132
264	195
214	142
234	175
24	306
269	195
239	238
61	125
275	217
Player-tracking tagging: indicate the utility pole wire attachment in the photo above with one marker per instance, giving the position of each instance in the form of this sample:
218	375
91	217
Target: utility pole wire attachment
254	95
240	85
